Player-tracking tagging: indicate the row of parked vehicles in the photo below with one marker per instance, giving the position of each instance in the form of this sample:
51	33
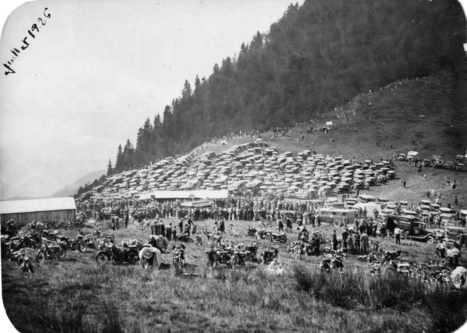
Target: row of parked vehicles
435	161
446	221
41	245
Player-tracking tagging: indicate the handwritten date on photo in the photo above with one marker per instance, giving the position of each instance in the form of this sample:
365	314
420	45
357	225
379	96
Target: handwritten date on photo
34	29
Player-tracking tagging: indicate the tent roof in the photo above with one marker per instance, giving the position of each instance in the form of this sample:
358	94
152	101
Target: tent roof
36	205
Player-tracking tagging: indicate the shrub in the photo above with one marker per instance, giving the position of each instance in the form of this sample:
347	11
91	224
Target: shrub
46	318
447	309
395	291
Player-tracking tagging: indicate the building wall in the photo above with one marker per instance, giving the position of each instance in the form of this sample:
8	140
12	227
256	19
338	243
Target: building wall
22	219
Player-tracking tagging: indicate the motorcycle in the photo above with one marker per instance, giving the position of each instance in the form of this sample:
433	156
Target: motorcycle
131	249
50	250
101	239
118	255
391	255
268	255
242	254
277	237
72	243
23	262
31	240
369	258
261	234
251	232
88	240
332	262
185	238
50	235
219	256
13	244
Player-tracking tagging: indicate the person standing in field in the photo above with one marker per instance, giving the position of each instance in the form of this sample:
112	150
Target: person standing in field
397	234
364	242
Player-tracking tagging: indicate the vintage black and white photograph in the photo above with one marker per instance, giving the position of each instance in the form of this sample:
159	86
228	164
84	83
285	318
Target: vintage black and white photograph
233	166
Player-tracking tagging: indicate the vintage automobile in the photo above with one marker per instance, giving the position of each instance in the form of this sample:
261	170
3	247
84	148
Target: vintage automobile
437	163
456	234
415	229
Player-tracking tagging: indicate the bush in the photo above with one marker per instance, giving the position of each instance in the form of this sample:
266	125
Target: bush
46	318
396	291
340	289
447	309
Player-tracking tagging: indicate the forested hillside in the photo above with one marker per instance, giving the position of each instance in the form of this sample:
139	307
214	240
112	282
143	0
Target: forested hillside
316	57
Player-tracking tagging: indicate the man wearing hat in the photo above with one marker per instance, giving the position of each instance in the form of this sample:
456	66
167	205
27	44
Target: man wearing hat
180	226
11	228
281	225
161	228
157	227
345	236
334	240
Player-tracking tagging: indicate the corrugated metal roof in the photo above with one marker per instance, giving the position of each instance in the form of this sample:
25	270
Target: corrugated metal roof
202	194
36	205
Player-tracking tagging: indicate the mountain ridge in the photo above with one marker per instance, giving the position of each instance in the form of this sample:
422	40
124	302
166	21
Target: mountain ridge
72	188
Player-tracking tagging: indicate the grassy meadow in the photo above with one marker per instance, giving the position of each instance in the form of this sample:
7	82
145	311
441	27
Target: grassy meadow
77	295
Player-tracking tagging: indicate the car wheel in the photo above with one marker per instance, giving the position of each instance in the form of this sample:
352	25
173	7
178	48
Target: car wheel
430	240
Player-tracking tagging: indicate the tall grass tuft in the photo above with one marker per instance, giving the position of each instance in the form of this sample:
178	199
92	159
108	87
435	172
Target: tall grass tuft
448	309
112	321
69	320
396	291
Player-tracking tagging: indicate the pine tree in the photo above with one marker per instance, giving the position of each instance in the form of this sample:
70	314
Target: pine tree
109	168
186	92
119	161
197	83
157	121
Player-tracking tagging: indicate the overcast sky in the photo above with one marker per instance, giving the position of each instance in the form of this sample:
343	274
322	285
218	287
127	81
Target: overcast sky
97	69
